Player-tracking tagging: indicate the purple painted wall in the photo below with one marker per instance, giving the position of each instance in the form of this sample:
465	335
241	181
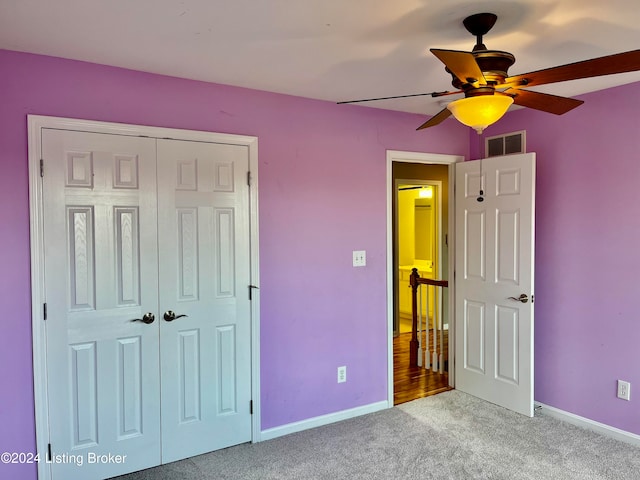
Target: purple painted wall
322	194
587	327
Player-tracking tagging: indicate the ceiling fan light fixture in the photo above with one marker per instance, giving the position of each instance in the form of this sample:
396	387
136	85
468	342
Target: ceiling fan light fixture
480	111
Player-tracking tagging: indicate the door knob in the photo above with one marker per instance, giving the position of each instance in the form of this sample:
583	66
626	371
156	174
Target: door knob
146	318
170	316
522	298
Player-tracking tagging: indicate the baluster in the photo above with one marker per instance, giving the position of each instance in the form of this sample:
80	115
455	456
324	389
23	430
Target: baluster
420	350
413	343
441	320
427	362
434	352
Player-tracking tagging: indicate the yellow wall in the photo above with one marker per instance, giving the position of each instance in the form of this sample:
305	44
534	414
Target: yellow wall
404	249
406	234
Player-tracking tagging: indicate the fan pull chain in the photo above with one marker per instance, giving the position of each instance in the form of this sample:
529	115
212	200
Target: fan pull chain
481	195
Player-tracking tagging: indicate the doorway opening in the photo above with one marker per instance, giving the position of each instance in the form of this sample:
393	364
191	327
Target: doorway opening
419	235
418	239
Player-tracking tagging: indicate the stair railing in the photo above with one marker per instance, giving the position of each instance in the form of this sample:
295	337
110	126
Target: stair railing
431	355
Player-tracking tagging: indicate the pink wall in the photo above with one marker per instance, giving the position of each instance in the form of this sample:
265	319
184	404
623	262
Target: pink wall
322	195
587	327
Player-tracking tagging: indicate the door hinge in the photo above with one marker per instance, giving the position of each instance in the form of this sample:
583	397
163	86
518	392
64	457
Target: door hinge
251	287
250	407
48	452
249	178
44	310
42	167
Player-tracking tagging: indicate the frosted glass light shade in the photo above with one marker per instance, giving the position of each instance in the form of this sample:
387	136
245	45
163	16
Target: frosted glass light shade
481	111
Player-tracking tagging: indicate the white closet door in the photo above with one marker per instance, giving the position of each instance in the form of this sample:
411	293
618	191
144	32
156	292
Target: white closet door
203	239
100	274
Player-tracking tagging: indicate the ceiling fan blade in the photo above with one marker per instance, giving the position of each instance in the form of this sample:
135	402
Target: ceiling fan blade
436	119
608	65
543	101
462	64
432	94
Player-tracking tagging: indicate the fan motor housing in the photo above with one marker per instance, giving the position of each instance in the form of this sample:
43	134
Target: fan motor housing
494	65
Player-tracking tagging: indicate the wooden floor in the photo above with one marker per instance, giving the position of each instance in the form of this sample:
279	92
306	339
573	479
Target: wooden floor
410	383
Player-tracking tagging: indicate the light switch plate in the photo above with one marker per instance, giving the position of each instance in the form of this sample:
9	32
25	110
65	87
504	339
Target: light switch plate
359	258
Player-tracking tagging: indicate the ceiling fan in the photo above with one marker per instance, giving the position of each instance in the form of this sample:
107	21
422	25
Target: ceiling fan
482	75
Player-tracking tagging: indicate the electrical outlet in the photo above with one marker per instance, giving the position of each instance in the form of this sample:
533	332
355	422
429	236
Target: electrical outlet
624	390
359	258
342	374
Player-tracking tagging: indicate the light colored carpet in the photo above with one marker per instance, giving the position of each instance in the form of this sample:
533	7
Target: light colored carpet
447	436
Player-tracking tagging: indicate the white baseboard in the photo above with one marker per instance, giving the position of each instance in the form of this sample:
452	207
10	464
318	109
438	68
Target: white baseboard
597	427
314	422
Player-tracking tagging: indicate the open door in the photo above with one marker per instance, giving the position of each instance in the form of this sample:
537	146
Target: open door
495	200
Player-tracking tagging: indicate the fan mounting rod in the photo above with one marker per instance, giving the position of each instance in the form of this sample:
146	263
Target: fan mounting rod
478	25
493	64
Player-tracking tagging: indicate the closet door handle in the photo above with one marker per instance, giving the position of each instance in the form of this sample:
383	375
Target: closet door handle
146	318
170	316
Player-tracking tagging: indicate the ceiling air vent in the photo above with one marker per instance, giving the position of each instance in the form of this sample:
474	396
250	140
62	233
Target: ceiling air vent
506	144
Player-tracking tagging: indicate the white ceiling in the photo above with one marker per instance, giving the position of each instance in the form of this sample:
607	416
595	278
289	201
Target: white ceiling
325	49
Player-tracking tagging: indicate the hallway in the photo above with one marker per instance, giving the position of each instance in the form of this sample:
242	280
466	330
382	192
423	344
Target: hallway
410	383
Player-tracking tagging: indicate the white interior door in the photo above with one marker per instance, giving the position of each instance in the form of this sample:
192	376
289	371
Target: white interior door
204	275
135	227
101	269
494	268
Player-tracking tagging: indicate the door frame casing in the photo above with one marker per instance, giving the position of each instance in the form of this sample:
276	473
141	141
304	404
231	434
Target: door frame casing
35	126
423	158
